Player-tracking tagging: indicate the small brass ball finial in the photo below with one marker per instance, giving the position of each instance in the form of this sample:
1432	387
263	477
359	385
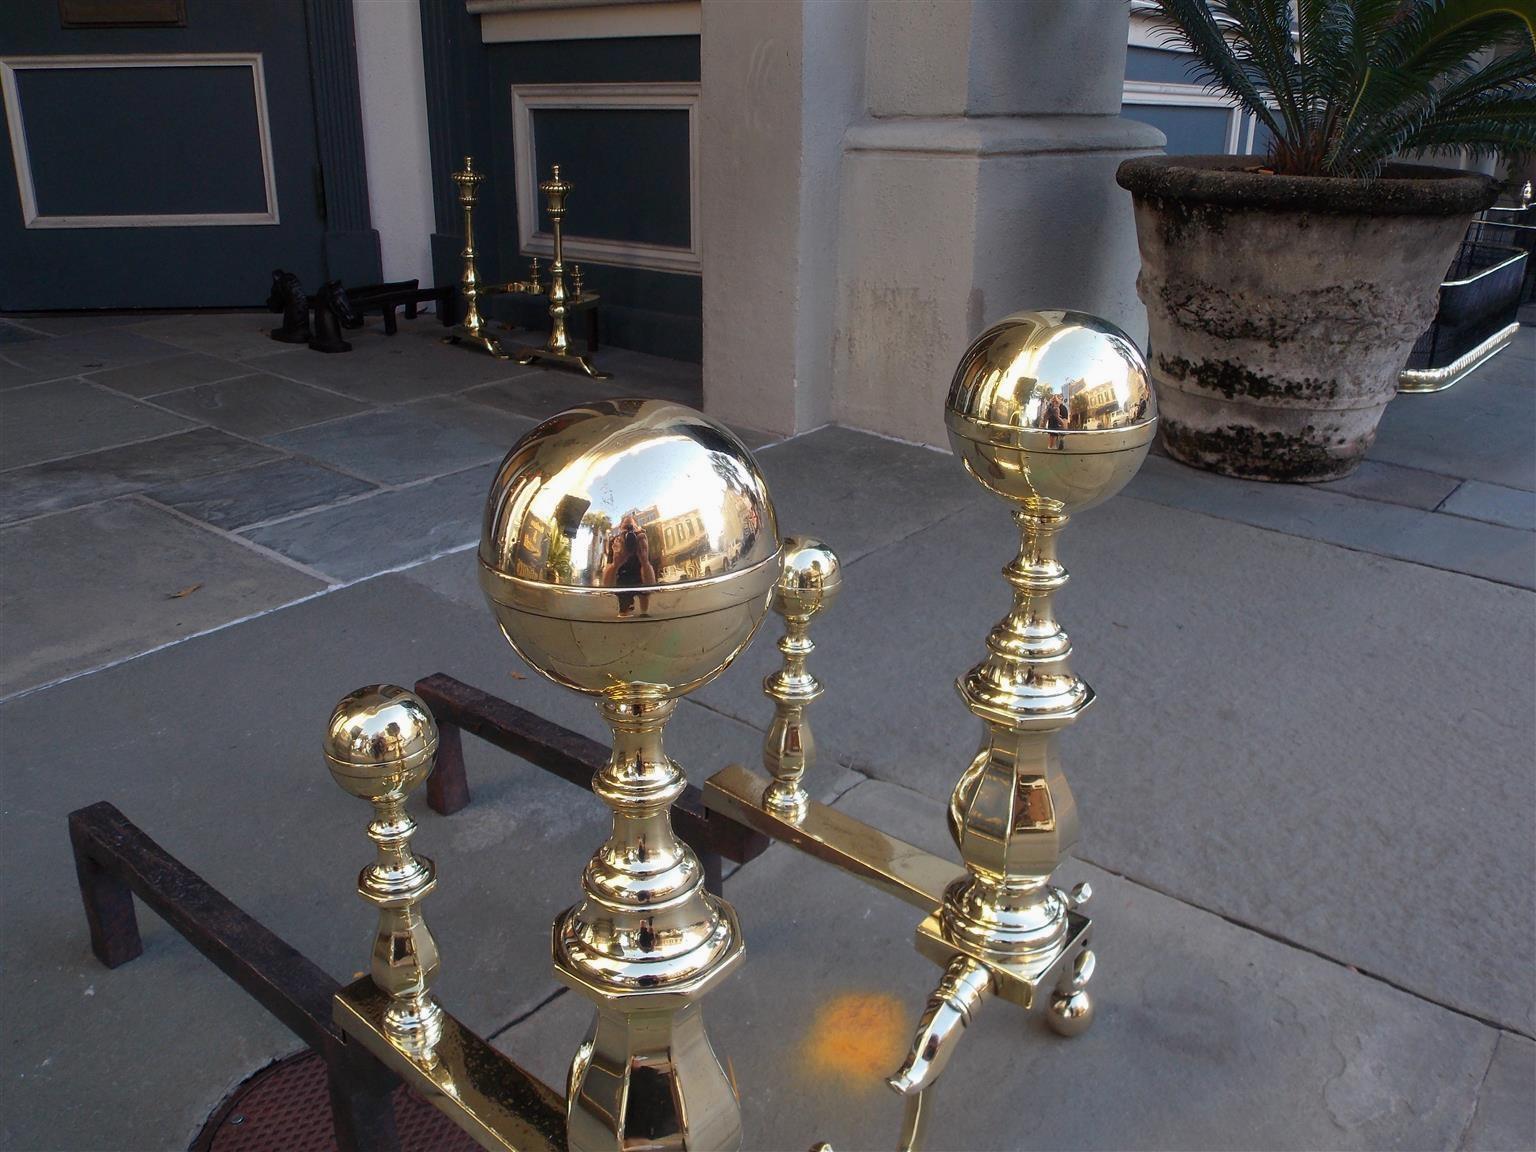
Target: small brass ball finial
810	579
380	742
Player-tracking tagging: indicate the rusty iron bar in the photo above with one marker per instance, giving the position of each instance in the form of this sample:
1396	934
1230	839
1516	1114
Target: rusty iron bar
115	861
571	756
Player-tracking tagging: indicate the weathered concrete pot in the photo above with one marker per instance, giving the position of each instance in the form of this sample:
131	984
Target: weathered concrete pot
1281	308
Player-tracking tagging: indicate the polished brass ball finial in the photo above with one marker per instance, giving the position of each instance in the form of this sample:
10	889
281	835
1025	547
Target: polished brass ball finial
810	578
629	549
1052	410
380	742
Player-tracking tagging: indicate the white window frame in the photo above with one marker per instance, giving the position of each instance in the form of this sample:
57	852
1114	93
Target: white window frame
528	98
31	218
1155	92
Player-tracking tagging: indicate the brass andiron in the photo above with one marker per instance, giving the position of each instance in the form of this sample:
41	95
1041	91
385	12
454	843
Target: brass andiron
473	328
808	584
629	552
1053	412
379	747
557	349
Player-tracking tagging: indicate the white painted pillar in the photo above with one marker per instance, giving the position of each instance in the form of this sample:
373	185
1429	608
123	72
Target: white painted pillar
394	95
981	182
972	175
780	81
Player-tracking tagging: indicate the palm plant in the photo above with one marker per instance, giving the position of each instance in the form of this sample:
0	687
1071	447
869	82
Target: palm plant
1345	85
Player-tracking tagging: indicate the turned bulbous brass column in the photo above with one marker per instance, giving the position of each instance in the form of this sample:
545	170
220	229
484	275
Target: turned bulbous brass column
629	551
557	349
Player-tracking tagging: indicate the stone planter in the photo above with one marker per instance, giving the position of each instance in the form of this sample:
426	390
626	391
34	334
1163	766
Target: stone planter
1281	308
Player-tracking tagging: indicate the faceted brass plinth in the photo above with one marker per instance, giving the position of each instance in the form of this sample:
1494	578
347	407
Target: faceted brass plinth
1053	412
629	552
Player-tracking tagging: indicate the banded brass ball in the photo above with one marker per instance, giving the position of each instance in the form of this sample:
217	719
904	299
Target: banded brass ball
1052	410
629	548
380	742
809	580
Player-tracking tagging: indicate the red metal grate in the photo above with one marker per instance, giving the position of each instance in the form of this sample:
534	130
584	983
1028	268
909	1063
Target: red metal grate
285	1108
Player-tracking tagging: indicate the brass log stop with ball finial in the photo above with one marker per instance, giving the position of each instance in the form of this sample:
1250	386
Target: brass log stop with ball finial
1053	412
630	552
379	747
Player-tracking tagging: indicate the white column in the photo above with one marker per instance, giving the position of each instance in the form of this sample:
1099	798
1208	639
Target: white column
980	182
881	179
780	81
394	94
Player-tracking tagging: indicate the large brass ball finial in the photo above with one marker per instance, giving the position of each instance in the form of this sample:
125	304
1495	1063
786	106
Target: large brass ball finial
1053	410
630	548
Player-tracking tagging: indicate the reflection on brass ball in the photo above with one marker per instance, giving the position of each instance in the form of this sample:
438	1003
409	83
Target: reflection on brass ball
629	549
1052	410
810	579
380	742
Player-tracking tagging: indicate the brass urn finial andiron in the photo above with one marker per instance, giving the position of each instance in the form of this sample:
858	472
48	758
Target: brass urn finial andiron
808	584
379	746
472	329
557	349
1053	412
629	551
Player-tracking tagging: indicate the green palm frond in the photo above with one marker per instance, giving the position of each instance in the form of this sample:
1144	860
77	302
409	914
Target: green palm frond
1345	85
1189	26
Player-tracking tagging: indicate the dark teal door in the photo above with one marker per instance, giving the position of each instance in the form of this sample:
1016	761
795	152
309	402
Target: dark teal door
156	167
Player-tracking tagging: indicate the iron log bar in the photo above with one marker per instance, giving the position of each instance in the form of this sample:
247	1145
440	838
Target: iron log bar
116	861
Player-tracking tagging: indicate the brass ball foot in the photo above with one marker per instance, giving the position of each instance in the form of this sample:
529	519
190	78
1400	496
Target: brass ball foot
1070	1013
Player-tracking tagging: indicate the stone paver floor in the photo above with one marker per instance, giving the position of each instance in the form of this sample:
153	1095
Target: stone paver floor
1307	788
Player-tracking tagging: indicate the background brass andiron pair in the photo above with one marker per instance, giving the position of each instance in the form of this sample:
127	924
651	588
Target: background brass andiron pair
630	552
474	329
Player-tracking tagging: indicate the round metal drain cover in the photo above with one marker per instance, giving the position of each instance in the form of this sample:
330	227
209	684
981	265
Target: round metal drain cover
286	1107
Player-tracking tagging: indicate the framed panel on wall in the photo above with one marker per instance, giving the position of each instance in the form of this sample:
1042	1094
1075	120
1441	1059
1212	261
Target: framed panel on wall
625	147
120	141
